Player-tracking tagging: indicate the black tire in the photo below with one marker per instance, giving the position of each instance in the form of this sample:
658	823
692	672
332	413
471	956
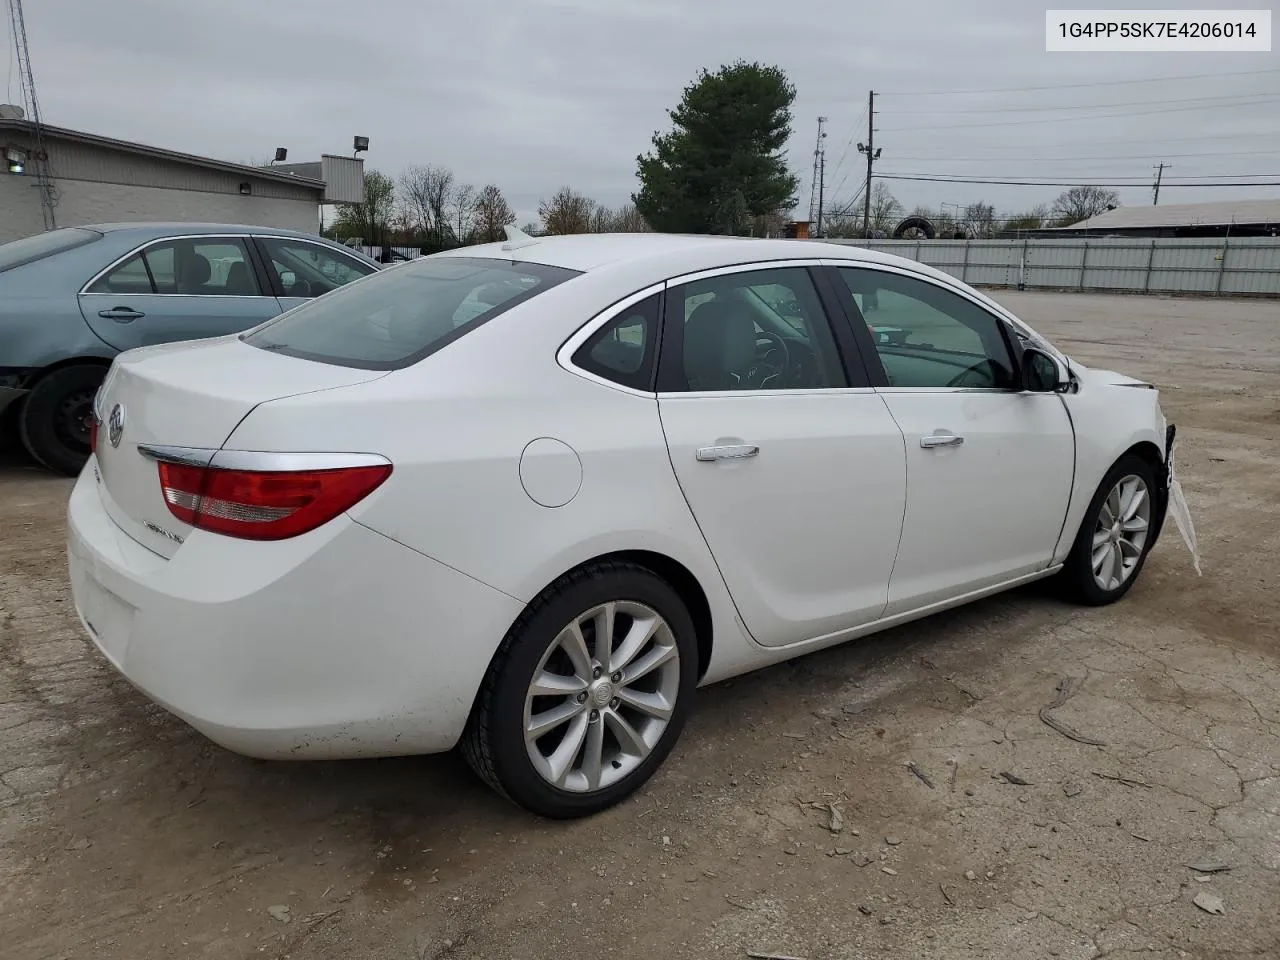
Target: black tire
1077	577
494	743
52	424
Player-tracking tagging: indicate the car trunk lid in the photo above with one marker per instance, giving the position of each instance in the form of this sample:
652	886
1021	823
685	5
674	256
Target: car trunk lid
192	396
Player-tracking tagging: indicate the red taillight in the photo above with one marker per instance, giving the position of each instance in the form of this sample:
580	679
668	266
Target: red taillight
264	505
93	433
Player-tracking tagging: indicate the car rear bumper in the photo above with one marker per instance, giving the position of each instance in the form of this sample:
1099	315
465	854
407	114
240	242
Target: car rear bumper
338	643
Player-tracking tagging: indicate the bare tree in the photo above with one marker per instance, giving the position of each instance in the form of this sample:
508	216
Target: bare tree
492	213
846	226
425	193
462	213
1081	203
885	209
1033	219
980	218
627	219
368	221
601	220
566	212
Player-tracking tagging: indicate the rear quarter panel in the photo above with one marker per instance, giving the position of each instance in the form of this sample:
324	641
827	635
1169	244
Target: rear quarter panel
455	426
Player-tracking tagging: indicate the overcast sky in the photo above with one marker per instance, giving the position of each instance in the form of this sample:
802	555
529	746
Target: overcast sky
533	94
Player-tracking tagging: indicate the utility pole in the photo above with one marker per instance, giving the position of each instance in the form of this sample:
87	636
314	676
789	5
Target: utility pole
1155	191
872	155
819	176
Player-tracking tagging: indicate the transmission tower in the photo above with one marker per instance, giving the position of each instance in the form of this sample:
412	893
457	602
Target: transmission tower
39	158
819	177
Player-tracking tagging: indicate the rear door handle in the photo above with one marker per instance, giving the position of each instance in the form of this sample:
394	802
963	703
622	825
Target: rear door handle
121	314
737	452
941	440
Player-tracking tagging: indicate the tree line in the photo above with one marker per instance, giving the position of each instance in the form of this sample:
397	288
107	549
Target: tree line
721	168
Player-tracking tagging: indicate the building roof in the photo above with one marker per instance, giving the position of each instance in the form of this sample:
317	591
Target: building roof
160	153
1223	214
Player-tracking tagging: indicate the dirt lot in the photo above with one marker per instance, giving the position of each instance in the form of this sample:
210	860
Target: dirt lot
123	834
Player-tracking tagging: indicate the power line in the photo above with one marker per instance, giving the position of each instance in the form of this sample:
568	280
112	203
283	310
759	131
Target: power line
1129	156
1102	176
1068	183
1100	116
1087	106
835	172
1078	86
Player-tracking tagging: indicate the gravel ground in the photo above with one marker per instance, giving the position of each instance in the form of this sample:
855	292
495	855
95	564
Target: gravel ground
123	834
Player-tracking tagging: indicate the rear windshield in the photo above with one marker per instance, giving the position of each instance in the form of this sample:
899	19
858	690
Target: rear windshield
397	316
28	249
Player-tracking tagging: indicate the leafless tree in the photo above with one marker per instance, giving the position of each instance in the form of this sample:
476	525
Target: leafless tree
492	213
1081	203
627	219
885	209
566	212
462	213
980	218
425	193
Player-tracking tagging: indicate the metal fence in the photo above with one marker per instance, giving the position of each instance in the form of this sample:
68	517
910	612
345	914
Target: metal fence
1246	266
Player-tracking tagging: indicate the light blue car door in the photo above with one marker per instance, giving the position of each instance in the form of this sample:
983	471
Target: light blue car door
178	288
305	268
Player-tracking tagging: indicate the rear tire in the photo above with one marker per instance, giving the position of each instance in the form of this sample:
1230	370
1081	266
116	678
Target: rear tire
1115	536
623	718
53	422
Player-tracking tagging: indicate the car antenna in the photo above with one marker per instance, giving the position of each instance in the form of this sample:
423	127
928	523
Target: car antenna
517	238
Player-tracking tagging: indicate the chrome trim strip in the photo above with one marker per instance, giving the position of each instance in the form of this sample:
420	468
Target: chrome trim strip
262	461
187	296
742	268
808	392
84	290
151	243
271	462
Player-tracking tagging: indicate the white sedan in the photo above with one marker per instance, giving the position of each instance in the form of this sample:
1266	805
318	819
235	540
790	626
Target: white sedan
527	497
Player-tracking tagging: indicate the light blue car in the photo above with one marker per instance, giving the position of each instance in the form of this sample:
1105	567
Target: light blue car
71	299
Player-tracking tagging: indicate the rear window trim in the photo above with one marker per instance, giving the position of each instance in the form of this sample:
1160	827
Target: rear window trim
553	275
88	236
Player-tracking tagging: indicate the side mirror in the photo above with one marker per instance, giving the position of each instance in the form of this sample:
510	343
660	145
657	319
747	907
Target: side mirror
1042	372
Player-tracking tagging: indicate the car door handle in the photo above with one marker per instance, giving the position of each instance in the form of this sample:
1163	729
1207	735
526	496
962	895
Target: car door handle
941	440
121	314
738	452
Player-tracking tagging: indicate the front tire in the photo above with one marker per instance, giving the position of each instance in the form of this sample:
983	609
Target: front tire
54	420
1115	535
566	724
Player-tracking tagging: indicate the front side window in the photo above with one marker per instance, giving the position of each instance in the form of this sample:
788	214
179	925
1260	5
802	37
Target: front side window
405	314
927	336
309	269
193	267
752	330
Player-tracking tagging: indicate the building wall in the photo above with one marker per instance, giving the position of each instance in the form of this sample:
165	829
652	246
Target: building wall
97	184
19	208
80	202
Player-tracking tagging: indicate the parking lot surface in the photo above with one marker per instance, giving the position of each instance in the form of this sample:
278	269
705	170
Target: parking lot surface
968	826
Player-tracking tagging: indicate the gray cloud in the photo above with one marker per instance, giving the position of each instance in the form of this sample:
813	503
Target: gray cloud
533	94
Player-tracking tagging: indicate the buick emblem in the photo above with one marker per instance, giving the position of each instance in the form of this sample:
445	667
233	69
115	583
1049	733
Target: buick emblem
115	425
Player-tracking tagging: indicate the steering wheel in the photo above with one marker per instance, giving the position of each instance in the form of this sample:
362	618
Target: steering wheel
983	368
764	369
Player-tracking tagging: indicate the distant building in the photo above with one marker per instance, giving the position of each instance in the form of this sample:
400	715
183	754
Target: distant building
1237	218
96	179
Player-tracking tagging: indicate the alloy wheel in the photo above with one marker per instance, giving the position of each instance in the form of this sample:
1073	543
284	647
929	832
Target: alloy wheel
601	696
1120	535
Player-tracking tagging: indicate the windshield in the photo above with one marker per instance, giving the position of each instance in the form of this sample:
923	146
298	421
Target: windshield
29	249
395	318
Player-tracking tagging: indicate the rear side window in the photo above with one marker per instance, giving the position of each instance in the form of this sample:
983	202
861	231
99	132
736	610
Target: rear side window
625	348
395	318
29	249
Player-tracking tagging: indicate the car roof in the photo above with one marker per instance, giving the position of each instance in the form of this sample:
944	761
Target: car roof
162	226
597	251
